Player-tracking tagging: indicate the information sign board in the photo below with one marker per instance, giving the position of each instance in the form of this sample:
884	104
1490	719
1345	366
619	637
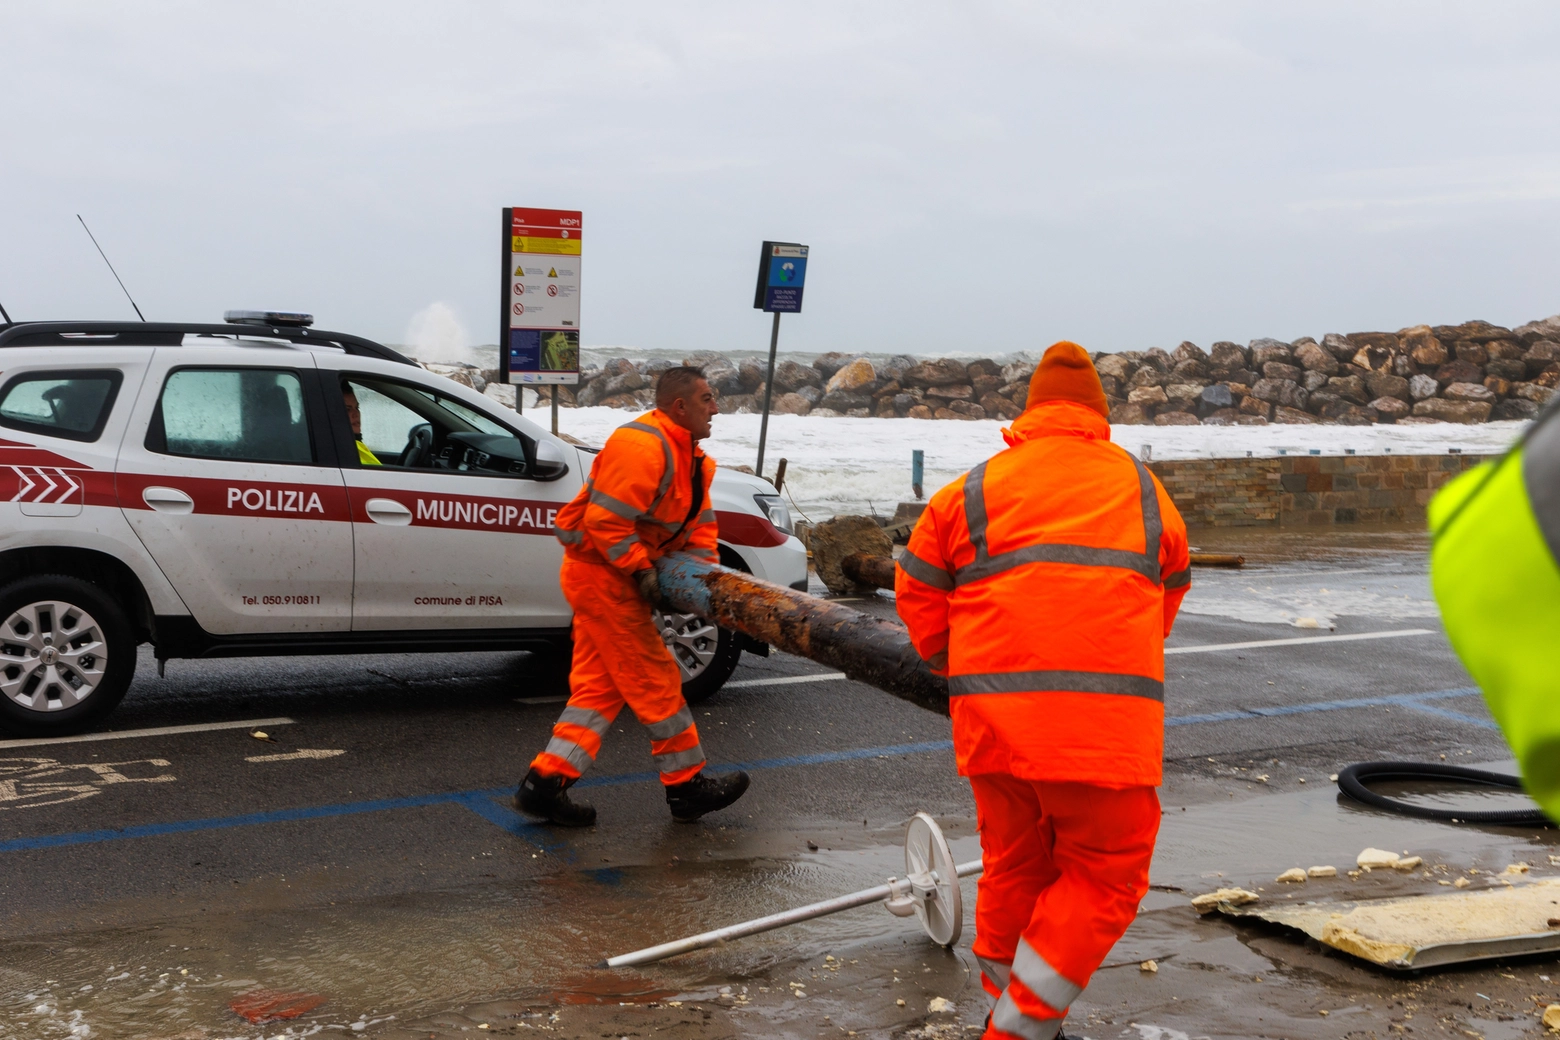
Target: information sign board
782	270
540	330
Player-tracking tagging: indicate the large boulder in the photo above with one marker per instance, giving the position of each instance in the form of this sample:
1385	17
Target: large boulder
1285	392
1382	385
1458	372
951	392
1266	350
1188	351
1113	365
1515	408
1281	370
1532	392
790	376
1421	387
751	373
1159	358
1422	346
1023	371
1314	381
1339	346
1350	388
1468	392
982	367
1176	419
966	410
1478	331
1533	331
984	384
896	366
1148	375
1314	359
1512	369
790	404
1541	355
1467	412
833	540
1390	409
1148	396
1472	352
853	377
999	407
843	401
1226	356
1214	399
935	373
1293	416
832	362
1255	406
1130	414
1190	370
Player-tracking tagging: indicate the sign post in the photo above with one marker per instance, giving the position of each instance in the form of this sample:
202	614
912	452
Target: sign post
539	332
782	270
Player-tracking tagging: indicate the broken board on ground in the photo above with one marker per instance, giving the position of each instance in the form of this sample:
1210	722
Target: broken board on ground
1415	932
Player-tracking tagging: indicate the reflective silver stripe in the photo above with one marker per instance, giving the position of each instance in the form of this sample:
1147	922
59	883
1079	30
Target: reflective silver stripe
1541	476
1043	980
594	721
669	727
985	565
570	752
675	760
706	517
1006	1017
1061	681
613	505
666	449
996	971
568	537
924	572
621	547
1057	552
1179	578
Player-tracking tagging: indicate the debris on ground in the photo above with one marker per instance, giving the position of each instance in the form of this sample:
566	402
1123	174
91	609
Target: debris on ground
1517	868
939	1005
1426	931
1293	874
1323	872
1151	967
268	1005
1380	859
833	540
1552	1018
1208	902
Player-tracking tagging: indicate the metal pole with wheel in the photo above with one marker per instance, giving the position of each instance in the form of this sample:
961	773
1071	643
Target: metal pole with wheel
769	389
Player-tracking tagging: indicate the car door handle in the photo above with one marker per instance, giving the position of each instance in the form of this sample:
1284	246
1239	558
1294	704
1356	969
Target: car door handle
388	511
168	500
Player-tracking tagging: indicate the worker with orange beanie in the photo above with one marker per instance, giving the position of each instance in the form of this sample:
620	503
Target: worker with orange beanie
1042	584
648	495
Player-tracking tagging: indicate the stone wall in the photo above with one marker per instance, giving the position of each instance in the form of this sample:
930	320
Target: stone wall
1307	489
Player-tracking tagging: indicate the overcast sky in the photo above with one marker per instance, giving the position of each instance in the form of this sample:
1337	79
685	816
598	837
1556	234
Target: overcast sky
971	176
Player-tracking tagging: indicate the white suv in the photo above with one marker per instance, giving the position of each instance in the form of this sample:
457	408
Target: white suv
201	488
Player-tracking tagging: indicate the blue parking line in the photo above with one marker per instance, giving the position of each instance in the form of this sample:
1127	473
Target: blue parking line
492	803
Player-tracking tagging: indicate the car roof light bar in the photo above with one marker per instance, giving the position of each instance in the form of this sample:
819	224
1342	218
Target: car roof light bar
291	319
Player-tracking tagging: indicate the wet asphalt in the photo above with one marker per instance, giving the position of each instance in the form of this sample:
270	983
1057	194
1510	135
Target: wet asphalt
366	851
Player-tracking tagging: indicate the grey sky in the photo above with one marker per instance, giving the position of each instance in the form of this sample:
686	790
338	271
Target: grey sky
973	176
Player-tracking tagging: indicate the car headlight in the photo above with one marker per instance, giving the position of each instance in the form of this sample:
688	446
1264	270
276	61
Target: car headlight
775	508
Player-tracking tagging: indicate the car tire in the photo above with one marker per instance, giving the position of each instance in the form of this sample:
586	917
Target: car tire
41	684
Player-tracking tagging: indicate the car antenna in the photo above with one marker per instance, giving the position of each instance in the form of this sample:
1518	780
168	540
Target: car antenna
111	270
4	315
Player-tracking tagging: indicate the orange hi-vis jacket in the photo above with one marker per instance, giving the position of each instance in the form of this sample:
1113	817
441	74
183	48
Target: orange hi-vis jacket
1051	574
635	507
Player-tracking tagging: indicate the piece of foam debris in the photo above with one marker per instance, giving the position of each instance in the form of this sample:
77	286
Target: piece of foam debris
1151	967
1461	882
1291	875
1552	1018
938	1005
1370	859
1517	868
1209	901
1408	863
1307	622
1323	872
1333	777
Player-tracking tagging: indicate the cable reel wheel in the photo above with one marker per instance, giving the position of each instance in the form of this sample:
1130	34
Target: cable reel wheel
930	888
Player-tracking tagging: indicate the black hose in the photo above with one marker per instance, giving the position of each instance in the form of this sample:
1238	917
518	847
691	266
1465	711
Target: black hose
1352	781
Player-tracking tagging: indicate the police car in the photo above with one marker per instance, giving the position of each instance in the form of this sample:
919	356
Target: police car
262	487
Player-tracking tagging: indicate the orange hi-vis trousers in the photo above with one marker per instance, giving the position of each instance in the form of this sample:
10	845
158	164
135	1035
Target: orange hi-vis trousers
619	659
1066	866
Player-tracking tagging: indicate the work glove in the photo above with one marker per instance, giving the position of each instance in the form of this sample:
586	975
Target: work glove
649	586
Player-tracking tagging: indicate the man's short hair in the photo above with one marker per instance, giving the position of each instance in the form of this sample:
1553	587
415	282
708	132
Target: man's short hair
676	383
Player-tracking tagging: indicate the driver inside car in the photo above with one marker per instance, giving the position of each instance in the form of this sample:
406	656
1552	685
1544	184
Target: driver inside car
355	417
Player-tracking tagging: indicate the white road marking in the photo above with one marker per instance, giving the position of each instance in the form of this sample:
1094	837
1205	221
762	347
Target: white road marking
1353	637
783	680
156	731
546	700
294	756
27	783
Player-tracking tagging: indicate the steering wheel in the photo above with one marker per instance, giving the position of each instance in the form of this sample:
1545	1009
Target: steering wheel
419	446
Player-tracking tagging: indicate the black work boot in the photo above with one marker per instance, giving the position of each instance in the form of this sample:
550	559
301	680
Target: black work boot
547	797
704	793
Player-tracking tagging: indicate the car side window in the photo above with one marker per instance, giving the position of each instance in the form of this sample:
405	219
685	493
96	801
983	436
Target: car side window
74	405
242	414
398	424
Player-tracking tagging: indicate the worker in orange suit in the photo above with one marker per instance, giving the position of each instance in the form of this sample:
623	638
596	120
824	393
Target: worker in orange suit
1042	584
647	495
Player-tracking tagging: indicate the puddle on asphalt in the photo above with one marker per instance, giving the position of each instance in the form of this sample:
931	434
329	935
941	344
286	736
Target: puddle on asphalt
521	957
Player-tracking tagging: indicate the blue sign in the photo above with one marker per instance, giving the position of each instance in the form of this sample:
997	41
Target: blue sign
781	273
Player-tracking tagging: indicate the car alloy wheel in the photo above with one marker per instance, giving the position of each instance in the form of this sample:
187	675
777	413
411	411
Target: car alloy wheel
692	640
53	656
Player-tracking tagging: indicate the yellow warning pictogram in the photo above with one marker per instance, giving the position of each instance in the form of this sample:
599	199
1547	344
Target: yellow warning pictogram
519	271
552	273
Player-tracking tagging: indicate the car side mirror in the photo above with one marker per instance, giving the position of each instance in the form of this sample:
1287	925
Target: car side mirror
550	462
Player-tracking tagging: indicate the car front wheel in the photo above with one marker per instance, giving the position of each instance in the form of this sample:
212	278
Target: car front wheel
67	654
706	653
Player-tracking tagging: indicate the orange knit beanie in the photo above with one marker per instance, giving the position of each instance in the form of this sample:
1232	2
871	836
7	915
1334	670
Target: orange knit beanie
1067	374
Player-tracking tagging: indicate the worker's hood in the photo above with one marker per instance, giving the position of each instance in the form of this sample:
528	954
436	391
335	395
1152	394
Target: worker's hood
1058	419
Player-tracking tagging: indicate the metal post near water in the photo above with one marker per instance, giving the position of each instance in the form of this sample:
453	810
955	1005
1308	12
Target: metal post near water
917	471
769	389
555	410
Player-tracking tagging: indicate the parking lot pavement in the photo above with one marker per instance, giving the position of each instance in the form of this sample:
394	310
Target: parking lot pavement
385	783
